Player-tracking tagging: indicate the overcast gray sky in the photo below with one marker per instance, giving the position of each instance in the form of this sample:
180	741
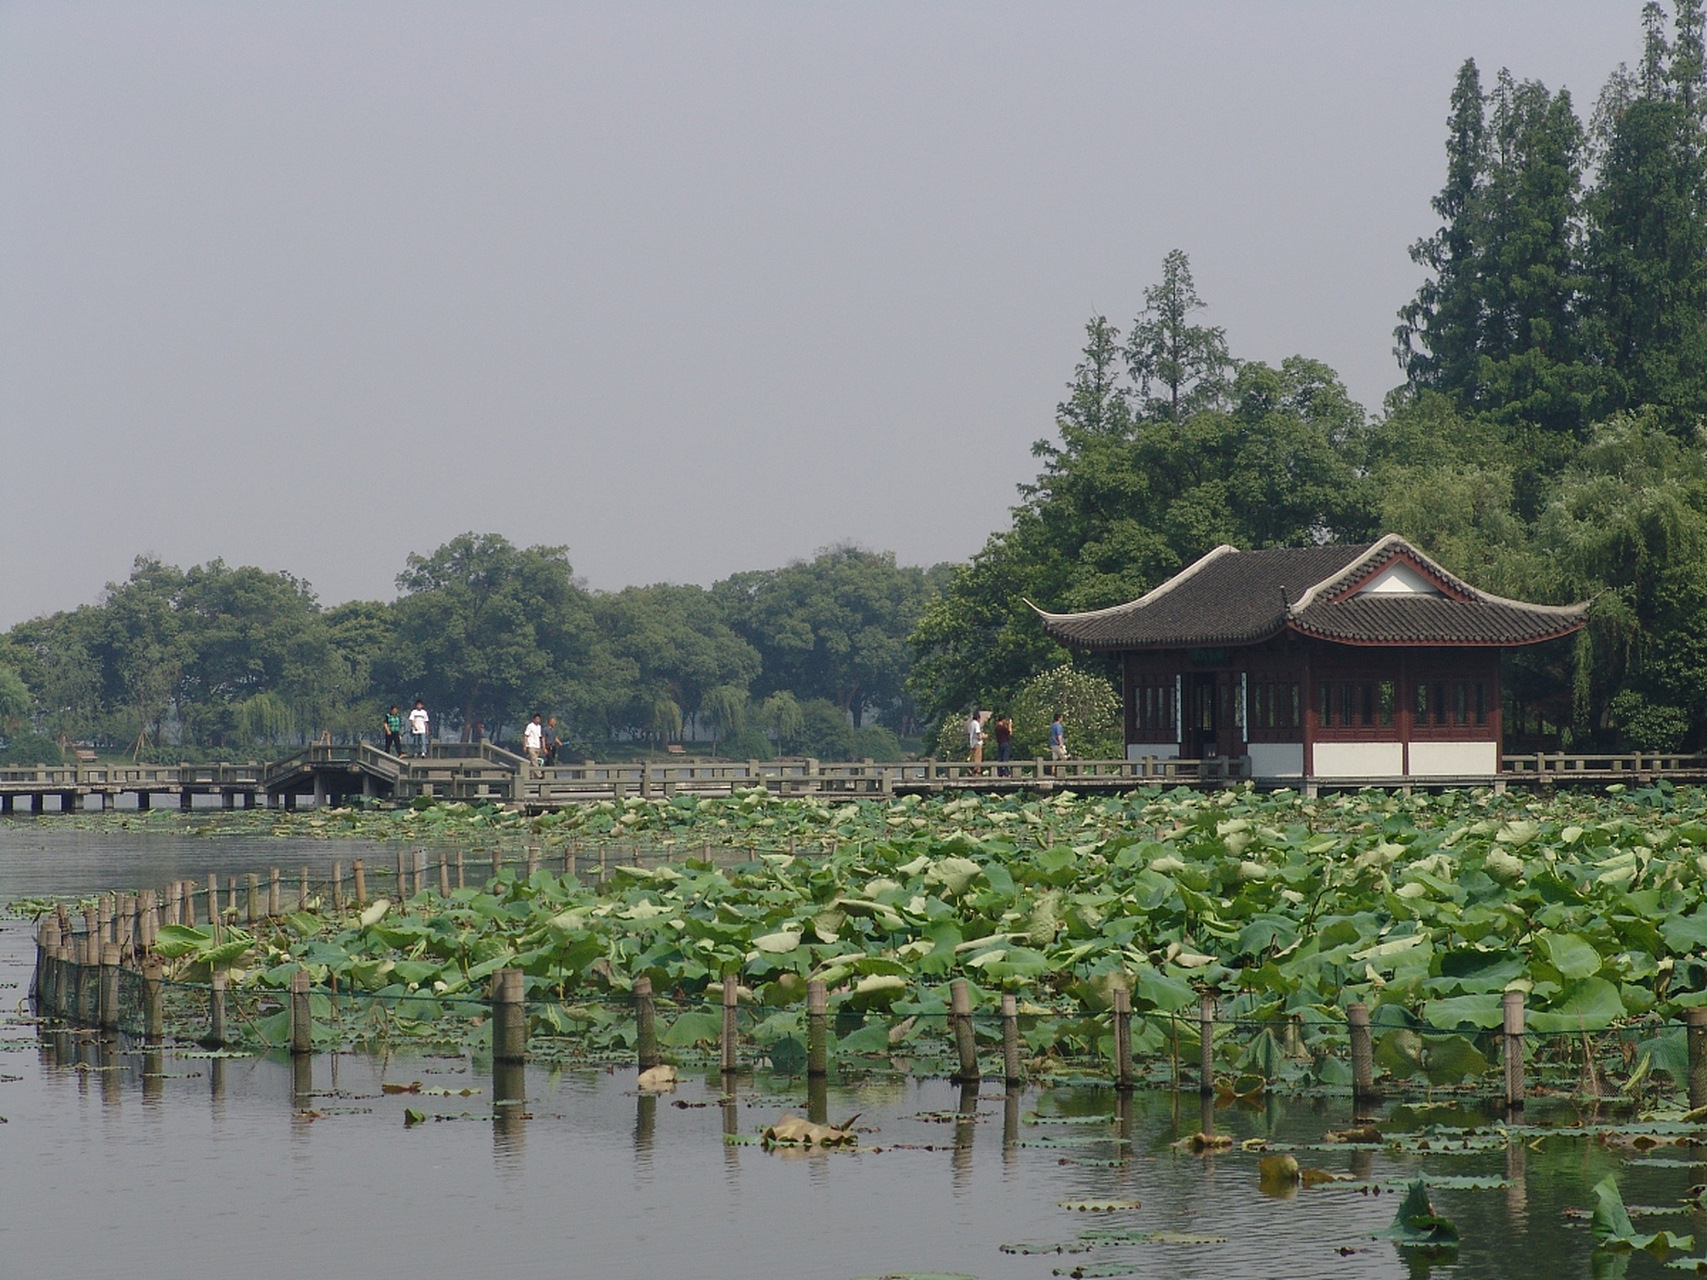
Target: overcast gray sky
690	288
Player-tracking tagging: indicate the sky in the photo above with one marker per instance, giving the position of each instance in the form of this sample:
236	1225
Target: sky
690	288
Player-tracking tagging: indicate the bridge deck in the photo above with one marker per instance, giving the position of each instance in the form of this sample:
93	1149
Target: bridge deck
484	773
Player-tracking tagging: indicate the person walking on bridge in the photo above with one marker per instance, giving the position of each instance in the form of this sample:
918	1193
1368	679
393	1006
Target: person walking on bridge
393	726
419	724
533	739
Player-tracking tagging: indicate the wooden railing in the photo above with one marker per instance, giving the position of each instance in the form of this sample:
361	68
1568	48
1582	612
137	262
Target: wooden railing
1656	763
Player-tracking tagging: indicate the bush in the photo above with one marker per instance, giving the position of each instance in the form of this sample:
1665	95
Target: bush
746	743
874	742
1089	707
30	748
1649	726
826	733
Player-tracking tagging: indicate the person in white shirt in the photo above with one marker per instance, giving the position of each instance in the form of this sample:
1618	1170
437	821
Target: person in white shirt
418	726
975	736
533	739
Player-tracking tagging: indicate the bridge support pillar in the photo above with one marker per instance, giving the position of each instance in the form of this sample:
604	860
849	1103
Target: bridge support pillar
248	799
5	804
144	801
290	801
38	802
319	791
70	802
227	799
186	798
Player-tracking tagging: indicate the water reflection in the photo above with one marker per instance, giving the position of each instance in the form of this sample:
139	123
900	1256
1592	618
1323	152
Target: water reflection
509	1111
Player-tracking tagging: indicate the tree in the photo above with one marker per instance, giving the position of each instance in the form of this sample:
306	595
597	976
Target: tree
15	701
724	709
1272	457
1647	226
834	627
1498	327
488	631
782	718
666	642
1188	364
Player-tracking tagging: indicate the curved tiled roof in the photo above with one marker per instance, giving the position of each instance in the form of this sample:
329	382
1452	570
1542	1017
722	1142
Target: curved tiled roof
1232	597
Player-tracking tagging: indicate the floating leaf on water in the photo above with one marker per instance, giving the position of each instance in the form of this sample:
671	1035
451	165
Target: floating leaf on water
1029	1248
1278	1169
1031	1117
412	1087
1089	1269
412	1117
1614	1232
1097	1206
657	1079
1417	1225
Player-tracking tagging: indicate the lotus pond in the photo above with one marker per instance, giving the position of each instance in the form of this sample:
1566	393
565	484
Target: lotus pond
1428	908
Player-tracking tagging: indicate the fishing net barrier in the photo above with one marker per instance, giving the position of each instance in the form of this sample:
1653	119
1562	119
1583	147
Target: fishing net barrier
98	966
995	1039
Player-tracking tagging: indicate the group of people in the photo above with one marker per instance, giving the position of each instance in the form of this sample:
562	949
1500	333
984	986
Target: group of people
540	739
1002	730
419	726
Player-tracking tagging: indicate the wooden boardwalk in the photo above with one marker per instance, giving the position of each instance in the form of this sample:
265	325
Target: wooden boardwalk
485	773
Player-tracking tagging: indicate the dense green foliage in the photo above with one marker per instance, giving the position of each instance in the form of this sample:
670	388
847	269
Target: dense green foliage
216	658
1427	908
1545	445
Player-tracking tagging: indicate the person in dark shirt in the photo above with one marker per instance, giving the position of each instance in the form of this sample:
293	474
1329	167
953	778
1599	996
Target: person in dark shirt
1004	743
553	741
393	724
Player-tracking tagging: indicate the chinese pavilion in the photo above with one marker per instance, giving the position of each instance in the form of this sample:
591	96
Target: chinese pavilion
1352	662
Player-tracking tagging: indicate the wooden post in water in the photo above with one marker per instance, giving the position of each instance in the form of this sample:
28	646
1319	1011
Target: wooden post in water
360	874
1122	1039
129	923
147	921
646	1026
1206	1049
1513	1044
275	896
459	880
602	857
420	879
533	860
187	901
1013	1075
1362	1052
108	995
47	943
213	903
731	999
817	1029
1696	1021
254	883
338	888
960	1013
103	918
497	862
444	874
216	1008
231	897
402	882
153	999
301	1014
303	895
509	1017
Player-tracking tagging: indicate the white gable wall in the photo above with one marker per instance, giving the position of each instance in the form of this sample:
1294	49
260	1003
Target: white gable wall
1399	579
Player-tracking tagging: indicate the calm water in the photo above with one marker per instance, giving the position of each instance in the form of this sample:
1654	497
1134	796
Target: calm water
122	1160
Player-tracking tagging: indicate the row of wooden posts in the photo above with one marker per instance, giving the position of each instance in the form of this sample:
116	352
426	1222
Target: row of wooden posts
95	949
121	929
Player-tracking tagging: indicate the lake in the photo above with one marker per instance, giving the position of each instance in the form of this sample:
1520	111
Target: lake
120	1159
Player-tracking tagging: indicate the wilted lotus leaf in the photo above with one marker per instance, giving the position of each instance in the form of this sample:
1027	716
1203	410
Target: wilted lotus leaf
793	1131
1364	1134
374	914
1278	1169
658	1079
1199	1142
